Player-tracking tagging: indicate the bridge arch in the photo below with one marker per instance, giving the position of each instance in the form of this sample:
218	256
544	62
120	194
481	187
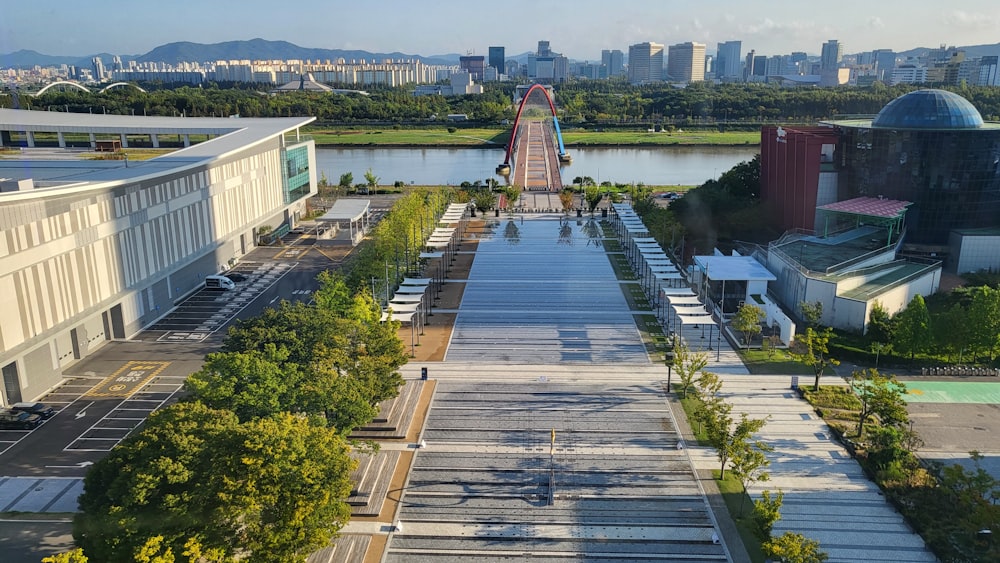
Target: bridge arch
517	119
121	85
62	83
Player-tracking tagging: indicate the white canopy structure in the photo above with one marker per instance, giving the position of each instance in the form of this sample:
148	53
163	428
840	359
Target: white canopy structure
353	211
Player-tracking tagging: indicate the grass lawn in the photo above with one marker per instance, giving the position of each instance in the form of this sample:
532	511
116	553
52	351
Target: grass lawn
758	362
732	493
497	137
582	138
409	137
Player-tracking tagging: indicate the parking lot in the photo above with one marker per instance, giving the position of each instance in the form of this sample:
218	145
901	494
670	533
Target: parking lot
208	310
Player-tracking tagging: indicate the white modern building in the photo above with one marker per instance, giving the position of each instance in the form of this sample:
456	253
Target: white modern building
645	63
686	62
95	250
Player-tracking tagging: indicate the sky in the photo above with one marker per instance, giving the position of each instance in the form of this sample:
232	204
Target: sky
579	29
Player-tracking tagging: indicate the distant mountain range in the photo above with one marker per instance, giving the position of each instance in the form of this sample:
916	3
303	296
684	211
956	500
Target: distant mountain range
185	51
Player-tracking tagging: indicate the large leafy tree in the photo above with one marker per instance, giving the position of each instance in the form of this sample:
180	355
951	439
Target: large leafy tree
271	489
984	321
913	328
881	396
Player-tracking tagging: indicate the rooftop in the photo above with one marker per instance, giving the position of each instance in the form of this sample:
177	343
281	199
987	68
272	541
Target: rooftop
929	109
233	134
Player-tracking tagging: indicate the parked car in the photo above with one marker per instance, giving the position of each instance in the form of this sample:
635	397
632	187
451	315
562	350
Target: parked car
19	420
236	276
41	409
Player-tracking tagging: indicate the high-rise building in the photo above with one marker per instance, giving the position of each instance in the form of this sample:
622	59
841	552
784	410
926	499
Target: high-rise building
728	61
645	63
475	65
98	66
988	71
831	54
686	62
543	49
748	65
883	60
496	58
613	62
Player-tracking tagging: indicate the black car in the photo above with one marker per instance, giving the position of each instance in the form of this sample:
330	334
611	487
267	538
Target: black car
18	420
41	409
236	277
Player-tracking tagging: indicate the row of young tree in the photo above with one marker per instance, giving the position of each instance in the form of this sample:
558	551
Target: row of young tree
741	453
605	103
963	326
254	463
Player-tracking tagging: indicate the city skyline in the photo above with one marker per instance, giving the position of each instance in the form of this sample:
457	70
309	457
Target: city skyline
114	26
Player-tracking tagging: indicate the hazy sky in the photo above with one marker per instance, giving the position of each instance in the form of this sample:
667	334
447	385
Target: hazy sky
577	28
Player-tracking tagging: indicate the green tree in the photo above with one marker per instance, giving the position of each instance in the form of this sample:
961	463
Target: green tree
747	320
766	511
812	313
913	328
952	330
812	349
748	461
712	407
688	365
881	396
346	180
372	181
484	200
252	384
881	328
511	195
736	442
74	556
593	196
271	489
794	548
984	321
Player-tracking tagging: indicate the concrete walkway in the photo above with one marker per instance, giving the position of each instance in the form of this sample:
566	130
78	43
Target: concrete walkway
827	496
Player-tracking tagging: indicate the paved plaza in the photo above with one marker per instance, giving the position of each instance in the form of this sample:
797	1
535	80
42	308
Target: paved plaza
544	292
542	347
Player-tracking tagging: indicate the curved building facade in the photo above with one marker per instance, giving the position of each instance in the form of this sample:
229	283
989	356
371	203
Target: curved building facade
929	147
94	250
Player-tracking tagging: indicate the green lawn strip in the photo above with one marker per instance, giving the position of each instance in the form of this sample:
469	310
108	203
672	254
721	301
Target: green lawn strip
730	488
579	138
491	137
733	495
780	363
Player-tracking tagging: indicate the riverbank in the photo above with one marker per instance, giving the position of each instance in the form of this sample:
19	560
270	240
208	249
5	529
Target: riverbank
494	138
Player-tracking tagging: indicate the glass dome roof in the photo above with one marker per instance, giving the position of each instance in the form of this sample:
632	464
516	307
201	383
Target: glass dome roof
929	109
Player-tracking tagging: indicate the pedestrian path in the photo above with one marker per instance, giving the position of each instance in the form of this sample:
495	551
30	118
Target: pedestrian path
827	496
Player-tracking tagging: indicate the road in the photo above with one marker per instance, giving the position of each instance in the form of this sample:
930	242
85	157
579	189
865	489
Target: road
536	158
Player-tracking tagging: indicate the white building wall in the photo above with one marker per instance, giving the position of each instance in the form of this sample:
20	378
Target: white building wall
66	260
976	253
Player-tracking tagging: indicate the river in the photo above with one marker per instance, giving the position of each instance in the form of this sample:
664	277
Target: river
686	166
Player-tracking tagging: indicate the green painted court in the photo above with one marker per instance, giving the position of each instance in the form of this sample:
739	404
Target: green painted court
972	392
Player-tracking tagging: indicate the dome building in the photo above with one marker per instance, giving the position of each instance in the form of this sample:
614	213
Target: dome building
930	148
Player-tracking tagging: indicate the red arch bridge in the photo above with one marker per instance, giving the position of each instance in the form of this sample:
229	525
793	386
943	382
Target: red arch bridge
537	149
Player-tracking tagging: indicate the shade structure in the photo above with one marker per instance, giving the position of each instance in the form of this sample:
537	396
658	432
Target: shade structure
417	281
430	255
437	244
401	317
411	289
407	298
683	300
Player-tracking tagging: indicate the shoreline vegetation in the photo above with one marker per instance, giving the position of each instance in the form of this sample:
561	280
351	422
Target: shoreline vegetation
484	138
